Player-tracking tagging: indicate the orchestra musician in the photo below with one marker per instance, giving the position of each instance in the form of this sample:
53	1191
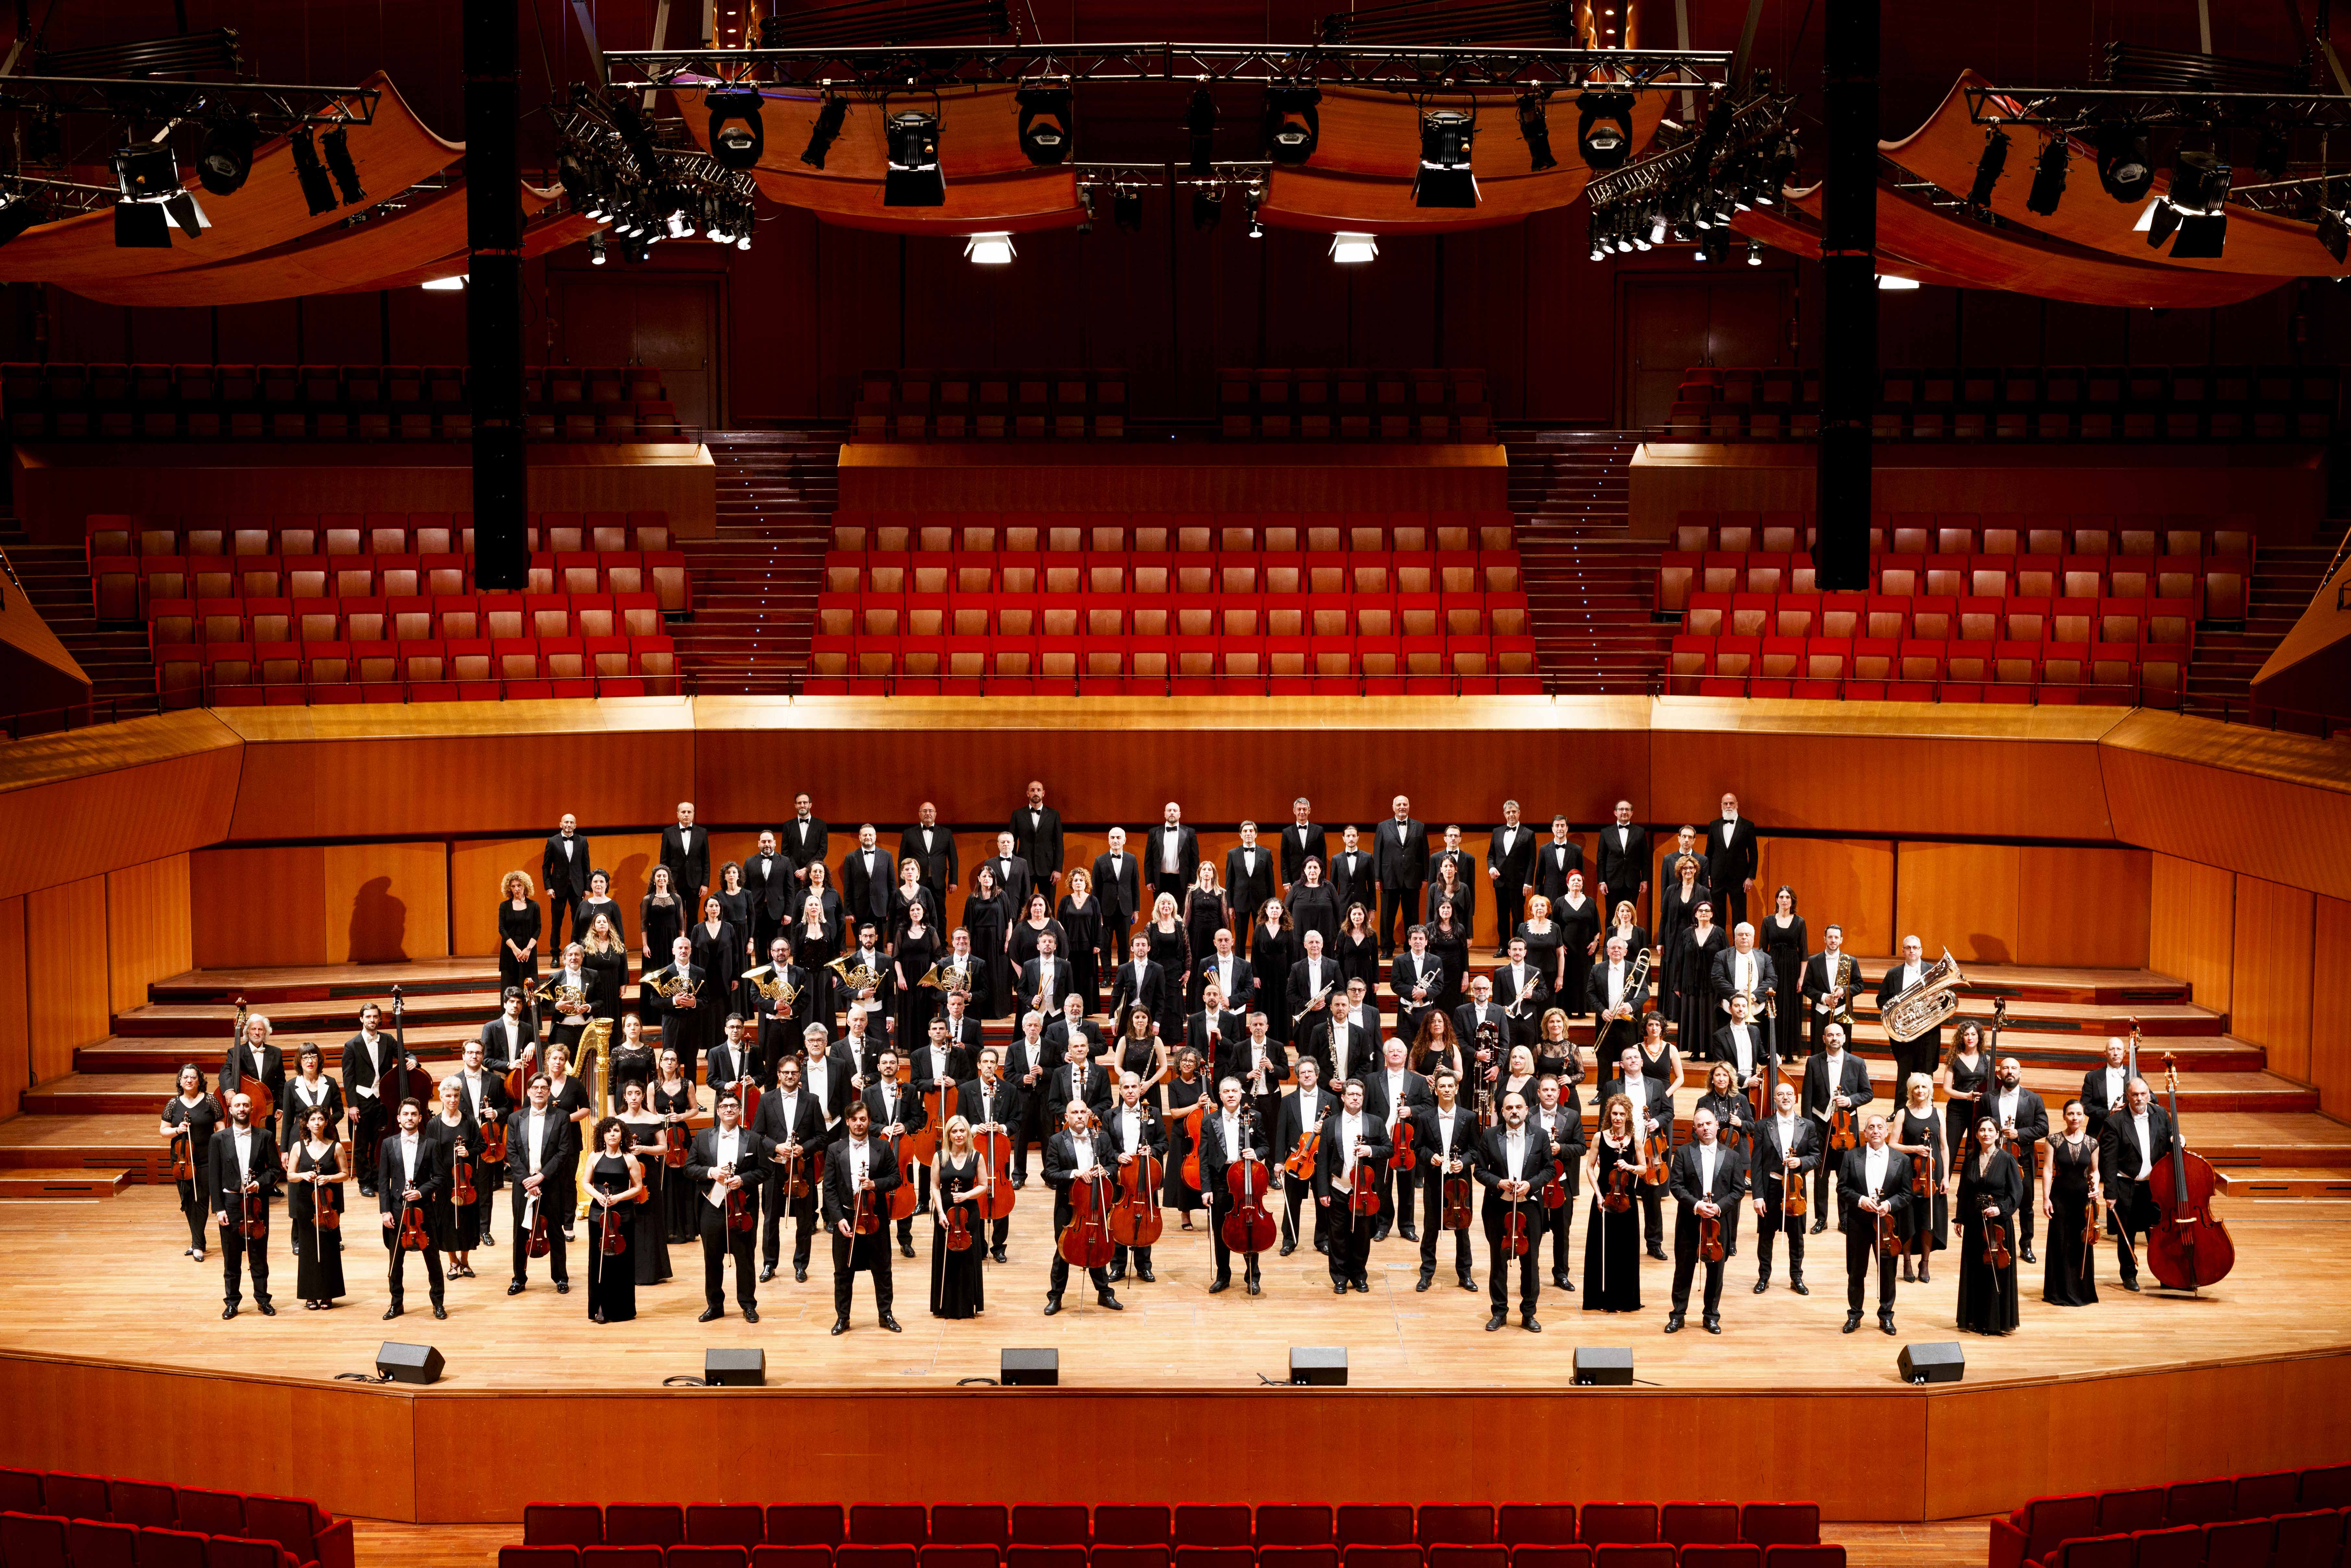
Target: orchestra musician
456	1228
1733	1121
1874	1180
1786	1146
1249	874
1133	1126
1044	981
1419	979
1742	1045
1835	1079
1170	851
193	1114
1446	1132
1513	1164
1609	994
1027	1066
1037	837
1260	1063
1706	1183
991	1106
807	840
958	1287
1234	976
1825	992
1651	1112
1742	970
1302	1109
1118	882
309	1089
483	1095
1558	1115
685	853
542	1163
1226	1136
2103	1086
319	1176
2069	1194
1481	1019
409	1175
1395	1093
858	1162
255	1057
1337	1041
563	867
680	1011
1400	865
615	1178
897	1110
1992	1188
1305	839
1519	990
1354	1149
963	1030
771	890
791	1121
508	1041
571	991
1730	853
1925	1053
241	1161
2136	1137
932	848
366	1057
728	1063
1072	1152
519	929
776	1028
1139	983
2023	1118
1623	860
723	1165
1510	867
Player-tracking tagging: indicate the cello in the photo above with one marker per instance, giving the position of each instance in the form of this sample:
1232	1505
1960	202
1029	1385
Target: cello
2186	1248
1136	1220
995	1194
1248	1226
1086	1241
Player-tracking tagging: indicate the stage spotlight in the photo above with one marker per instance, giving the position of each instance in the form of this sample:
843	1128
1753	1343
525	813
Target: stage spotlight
1292	124
2123	167
146	173
2334	231
1044	123
1754	252
141	226
1888	283
1208	207
595	250
1535	126
18	214
1249	204
226	156
2201	236
988	250
2049	176
337	146
1200	126
738	135
914	179
1445	179
1354	250
2200	182
1989	167
828	125
317	189
1126	209
1604	128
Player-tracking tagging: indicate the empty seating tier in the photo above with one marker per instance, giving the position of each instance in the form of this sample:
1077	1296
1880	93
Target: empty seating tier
1353	405
990	405
2289	1518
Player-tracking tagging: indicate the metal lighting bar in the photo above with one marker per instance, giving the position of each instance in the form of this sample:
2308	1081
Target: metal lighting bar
840	26
270	105
2069	107
189	52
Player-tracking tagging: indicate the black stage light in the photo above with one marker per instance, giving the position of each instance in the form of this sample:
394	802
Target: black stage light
18	214
146	173
829	122
1754	252
1249	204
141	226
569	172
317	189
595	250
337	146
1445	179
2201	235
914	179
1045	124
738	135
1292	124
2049	176
1534	125
2123	167
1989	167
1127	210
226	156
2334	231
1604	128
1207	206
1200	126
2162	220
2200	182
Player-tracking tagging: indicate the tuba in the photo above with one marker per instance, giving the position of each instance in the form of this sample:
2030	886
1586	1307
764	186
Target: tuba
1926	1005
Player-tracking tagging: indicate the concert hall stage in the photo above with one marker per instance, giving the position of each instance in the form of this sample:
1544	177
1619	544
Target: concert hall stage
104	1328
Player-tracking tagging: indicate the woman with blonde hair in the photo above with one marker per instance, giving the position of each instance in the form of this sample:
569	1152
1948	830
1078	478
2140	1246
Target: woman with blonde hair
518	927
956	1179
1917	1131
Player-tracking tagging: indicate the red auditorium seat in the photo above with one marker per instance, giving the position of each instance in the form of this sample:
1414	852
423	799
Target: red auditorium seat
1618	1555
1697	1523
1039	1524
644	1524
1386	1555
706	1557
1803	1557
136	1502
95	1544
212	1513
2313	1538
2326	1486
772	1556
562	1525
2239	1544
724	1524
1454	1524
1779	1523
1632	1523
805	1524
1132	1524
1025	1556
159	1548
1214	1557
936	1555
539	1556
233	1552
1135	1557
857	1555
1455	1555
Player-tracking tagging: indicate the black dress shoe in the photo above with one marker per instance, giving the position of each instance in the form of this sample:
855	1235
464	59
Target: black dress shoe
1674	1322
228	1312
1468	1282
1216	1285
2026	1253
890	1323
711	1314
1380	1233
439	1310
1713	1323
906	1247
1364	1287
1885	1321
1422	1283
1559	1282
1252	1284
1288	1248
269	1311
1762	1283
1496	1321
1852	1322
1323	1248
1146	1276
1338	1287
597	1316
799	1273
996	1253
1052	1305
1819	1226
1797	1285
393	1312
1107	1299
562	1286
1117	1274
840	1325
1528	1323
2131	1285
1019	1181
514	1287
750	1315
1409	1234
767	1272
1658	1253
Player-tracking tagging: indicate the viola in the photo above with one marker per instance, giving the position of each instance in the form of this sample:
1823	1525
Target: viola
958	1226
1657	1157
1995	1245
494	1141
1710	1238
1515	1238
996	1195
2188	1247
413	1237
1792	1201
1086	1241
182	1167
1249	1225
1365	1197
615	1240
1401	1156
1922	1176
796	1180
253	1223
865	1213
1841	1133
1623	1178
1136	1221
461	1181
539	1244
741	1213
1888	1240
675	1145
326	1206
1302	1159
1457	1200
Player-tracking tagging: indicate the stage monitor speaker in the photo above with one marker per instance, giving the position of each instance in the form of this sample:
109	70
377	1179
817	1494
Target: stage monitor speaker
735	1368
1321	1366
1941	1361
1603	1365
408	1362
1032	1369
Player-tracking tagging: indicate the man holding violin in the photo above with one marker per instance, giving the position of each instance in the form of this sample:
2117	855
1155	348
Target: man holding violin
1354	1153
1707	1181
241	1166
1559	1117
1786	1146
1133	1127
1513	1164
2024	1119
724	1158
860	1174
1834	1080
1874	1184
1304	1110
1448	1135
791	1123
408	1180
1070	1153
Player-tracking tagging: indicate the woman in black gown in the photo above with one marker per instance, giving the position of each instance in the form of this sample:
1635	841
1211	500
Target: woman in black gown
194	1115
1313	906
1273	948
1184	1092
1917	1131
902	899
1448	886
1449	943
957	1289
1732	1114
631	1058
1435	1045
1555	1051
1991	1189
315	1178
1206	911
2070	1193
615	1182
604	958
1170	947
1691	970
988	919
649	1228
1621	923
309	1089
1678	903
599	900
1035	923
1784	941
457	1226
816	940
1612	1236
918	951
1661	1061
1138	1049
1081	915
1555	939
718	953
1967	1079
673	1101
518	923
660	915
1356	950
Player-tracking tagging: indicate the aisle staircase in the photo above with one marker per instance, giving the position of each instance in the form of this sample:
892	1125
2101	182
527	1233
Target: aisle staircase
1590	586
2286	577
116	657
756	585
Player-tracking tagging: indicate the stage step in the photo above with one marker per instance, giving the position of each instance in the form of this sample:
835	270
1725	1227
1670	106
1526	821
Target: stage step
38	1182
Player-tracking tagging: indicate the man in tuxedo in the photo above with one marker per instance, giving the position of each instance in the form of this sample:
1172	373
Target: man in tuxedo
830	1075
1510	868
1170	853
1744	968
1355	1151
1394	1094
1364	1007
1037	840
1558	1115
1027	1066
1513	1164
1707	1181
242	1159
1554	860
1787	1144
1226	1138
1417	978
937	1062
1399	864
1338	1042
1624	863
1653	1111
2024	1116
1132	1129
1611	995
542	1167
2102	1087
1233	974
725	1168
1446	1132
409	1175
1071	1024
2137	1135
776	1035
1925	1053
1684	845
253	1057
1044	980
728	1063
563	869
685	850
1070	1153
933	848
768	884
1481	1018
1139	983
1080	1077
1118	883
1214	1032
1302	840
867	876
1835	1079
1874	1180
897	1110
1730	853
679	1012
1744	1045
1352	876
571	992
995	1109
790	1126
366	1057
483	1097
1249	875
806	840
1826	990
1014	876
1312	981
858	1163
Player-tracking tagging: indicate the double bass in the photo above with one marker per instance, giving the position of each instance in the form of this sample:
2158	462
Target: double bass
2186	1248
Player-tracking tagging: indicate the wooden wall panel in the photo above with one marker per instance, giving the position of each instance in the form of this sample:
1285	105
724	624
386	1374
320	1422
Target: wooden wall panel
476	866
148	933
258	906
1960	896
2190	788
117	795
2272	1001
2330	1021
2083	907
2192	927
385	904
64	972
1841	882
15	1037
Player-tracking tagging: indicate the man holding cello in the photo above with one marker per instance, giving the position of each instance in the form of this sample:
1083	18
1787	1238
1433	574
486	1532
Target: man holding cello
1513	1164
1134	1129
1228	1138
1074	1153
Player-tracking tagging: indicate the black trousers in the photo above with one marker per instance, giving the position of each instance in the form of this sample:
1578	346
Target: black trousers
844	1275
718	1242
1686	1266
1821	1176
1923	1054
1120	1256
1498	1279
1060	1277
1295	1191
1221	1204
236	1252
558	1216
556	908
771	1221
1860	1246
1556	1227
399	1263
1769	1226
1509	905
2128	1209
1351	1240
1396	1194
1432	1221
191	1209
1652	1205
1396	900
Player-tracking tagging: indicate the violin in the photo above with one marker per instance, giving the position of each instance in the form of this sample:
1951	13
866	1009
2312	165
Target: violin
865	1213
796	1180
1304	1157
1457	1200
675	1145
1922	1178
1657	1156
1888	1240
1515	1240
1086	1241
1622	1178
958	1226
413	1237
1249	1226
1401	1156
326	1206
1995	1245
740	1213
615	1240
2188	1248
461	1182
1136	1221
1841	1133
1365	1199
182	1167
1710	1238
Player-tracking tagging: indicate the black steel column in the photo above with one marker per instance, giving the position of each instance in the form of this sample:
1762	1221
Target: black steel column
494	293
1849	268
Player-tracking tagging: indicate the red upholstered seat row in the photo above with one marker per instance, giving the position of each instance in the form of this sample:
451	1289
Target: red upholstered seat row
2313	1538
2034	1530
1916	670
231	675
1942	618
297	1527
1986	533
1374	571
1181	533
1215	1525
1157	658
126	589
1733	1554
950	405
1349	405
362	533
51	1541
1325	618
406	619
2212	587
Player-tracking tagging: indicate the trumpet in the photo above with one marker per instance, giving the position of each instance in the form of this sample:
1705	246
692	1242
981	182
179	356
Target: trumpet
1299	1016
